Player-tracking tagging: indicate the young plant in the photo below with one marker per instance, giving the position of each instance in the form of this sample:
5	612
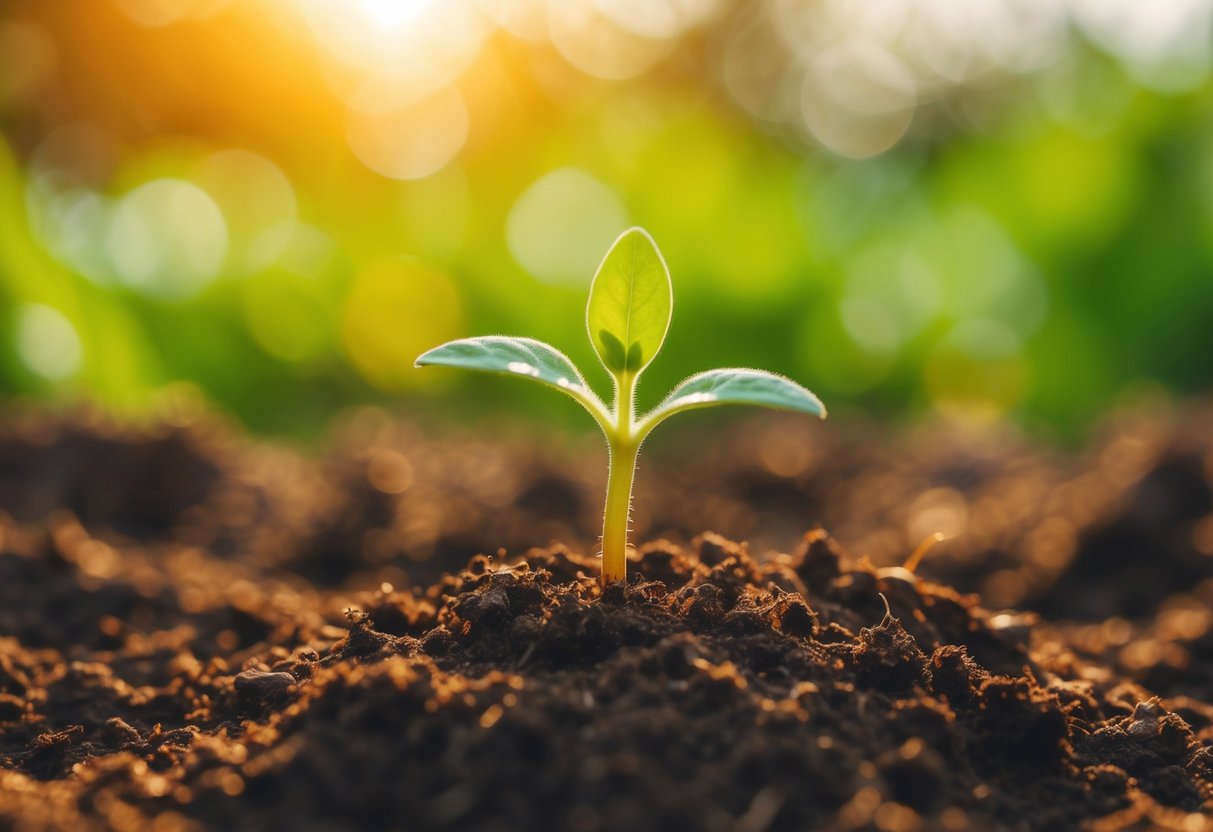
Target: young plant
627	318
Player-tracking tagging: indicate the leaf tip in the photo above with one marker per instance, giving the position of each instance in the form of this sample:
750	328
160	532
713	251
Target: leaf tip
640	231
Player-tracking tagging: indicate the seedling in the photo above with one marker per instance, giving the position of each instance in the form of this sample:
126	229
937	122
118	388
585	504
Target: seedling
906	572
627	318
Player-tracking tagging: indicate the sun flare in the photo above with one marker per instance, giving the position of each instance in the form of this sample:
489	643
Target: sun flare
390	15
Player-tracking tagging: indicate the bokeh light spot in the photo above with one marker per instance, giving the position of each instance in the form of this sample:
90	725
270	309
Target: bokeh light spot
978	371
256	197
167	239
872	324
1165	43
66	212
46	341
395	311
526	19
960	40
756	75
982	273
837	359
890	296
72	225
389	471
365	35
593	42
390	14
658	19
405	136
295	246
858	99
559	227
940	510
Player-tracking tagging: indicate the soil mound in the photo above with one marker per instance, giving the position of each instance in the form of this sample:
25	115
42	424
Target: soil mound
262	650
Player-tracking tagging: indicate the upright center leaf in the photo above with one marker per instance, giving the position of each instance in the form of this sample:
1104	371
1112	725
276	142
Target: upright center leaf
630	301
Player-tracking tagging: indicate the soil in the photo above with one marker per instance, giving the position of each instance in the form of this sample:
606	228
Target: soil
202	631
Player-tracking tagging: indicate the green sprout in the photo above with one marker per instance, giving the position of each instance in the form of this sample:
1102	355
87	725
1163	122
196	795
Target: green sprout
627	317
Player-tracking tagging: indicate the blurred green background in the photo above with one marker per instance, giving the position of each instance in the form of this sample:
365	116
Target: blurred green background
987	208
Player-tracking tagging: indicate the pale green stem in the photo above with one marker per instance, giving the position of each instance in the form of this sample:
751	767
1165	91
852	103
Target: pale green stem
615	517
623	447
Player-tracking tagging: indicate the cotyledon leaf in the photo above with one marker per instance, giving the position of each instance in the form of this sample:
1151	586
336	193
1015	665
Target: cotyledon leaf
631	298
523	357
734	386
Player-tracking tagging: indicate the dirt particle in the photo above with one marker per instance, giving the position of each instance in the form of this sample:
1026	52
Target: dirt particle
792	616
260	685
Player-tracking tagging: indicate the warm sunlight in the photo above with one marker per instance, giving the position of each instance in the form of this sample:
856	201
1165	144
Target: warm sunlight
389	14
314	318
380	33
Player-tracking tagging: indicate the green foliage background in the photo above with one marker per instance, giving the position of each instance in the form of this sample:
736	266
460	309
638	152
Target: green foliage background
1031	263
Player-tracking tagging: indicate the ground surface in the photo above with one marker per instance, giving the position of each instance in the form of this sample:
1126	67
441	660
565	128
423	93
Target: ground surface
200	631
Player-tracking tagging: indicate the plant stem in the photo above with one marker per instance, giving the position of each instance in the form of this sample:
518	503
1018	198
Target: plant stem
623	448
618	507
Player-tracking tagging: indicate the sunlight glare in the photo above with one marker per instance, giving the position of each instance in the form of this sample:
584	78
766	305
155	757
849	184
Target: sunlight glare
391	14
369	35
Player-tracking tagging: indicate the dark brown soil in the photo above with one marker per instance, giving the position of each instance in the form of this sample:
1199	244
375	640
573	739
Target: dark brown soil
199	631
